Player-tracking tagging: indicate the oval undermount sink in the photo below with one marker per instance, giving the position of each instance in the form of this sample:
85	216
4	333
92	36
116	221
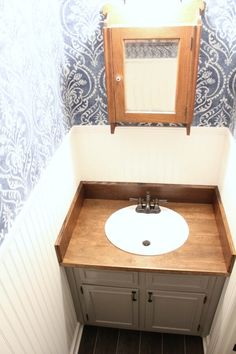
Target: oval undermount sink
146	234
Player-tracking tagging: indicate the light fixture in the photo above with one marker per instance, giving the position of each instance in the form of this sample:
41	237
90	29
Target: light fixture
155	13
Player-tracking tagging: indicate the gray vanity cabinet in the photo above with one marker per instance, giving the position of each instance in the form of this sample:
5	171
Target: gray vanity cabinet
171	311
111	306
181	303
105	297
152	301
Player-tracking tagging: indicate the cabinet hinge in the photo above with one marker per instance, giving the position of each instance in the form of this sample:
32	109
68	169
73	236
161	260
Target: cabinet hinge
205	299
82	290
198	328
87	318
191	44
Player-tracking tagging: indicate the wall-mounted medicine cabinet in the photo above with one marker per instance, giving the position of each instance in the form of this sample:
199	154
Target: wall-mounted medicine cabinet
151	65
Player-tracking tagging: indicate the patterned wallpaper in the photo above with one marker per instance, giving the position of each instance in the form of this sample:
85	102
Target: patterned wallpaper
216	85
40	99
84	73
32	122
233	120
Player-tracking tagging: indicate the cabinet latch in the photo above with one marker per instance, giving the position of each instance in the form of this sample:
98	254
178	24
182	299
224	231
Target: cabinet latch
82	290
205	299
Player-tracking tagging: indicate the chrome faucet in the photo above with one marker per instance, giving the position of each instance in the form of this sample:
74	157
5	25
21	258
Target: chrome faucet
148	205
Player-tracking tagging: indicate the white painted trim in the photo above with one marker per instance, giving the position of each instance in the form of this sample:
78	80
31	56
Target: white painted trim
76	339
205	342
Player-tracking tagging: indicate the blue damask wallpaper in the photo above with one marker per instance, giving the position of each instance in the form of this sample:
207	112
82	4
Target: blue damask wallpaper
52	76
84	72
216	86
32	122
233	120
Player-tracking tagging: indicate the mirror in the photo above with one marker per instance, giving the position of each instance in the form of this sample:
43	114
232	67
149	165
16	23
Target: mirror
150	74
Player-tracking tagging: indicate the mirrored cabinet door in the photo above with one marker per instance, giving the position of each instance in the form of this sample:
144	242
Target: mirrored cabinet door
151	68
151	74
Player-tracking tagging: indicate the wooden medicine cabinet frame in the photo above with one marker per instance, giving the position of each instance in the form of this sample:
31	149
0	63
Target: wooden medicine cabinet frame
185	31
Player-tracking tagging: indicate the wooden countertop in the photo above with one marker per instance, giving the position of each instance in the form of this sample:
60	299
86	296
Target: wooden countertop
88	246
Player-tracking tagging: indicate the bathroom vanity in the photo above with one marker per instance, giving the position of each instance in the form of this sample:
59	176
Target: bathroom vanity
177	303
173	292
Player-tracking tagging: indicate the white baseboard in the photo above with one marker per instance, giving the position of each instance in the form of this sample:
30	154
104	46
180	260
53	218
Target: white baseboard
76	339
205	341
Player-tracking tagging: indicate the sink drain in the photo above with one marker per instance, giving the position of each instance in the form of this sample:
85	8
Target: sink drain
146	243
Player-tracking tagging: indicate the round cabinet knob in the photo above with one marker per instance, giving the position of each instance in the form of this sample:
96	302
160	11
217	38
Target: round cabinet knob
118	78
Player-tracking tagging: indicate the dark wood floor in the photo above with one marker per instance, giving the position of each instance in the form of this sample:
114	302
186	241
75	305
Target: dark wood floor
102	340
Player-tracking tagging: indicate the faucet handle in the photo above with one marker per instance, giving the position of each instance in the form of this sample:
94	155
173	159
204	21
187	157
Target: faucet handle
156	208
139	207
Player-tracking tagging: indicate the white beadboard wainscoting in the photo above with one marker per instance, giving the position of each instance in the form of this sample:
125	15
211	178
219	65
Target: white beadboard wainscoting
37	312
141	154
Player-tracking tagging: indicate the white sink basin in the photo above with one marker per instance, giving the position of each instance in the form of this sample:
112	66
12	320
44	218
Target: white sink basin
146	234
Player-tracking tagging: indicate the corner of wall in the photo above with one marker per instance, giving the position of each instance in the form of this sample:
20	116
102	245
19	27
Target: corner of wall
227	180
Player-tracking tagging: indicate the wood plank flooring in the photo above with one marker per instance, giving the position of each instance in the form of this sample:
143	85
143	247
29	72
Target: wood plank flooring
103	340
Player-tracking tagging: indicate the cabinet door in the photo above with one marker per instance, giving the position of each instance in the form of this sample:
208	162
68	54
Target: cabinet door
111	306
152	73
177	312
